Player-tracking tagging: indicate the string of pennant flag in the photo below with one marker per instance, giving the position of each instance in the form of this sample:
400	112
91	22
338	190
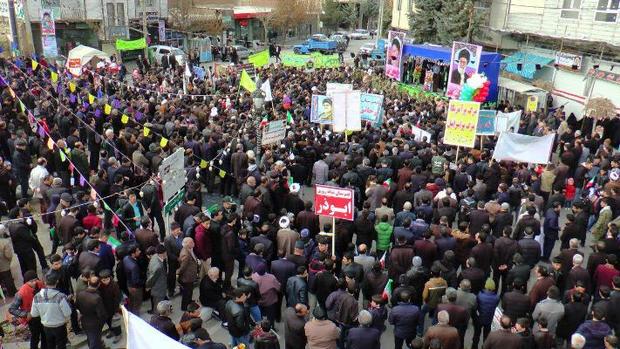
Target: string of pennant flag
65	155
125	118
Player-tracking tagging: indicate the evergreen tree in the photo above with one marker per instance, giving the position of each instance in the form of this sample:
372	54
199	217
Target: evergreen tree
424	20
457	21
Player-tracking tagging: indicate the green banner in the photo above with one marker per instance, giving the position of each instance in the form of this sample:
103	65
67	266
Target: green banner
123	45
414	90
318	60
259	59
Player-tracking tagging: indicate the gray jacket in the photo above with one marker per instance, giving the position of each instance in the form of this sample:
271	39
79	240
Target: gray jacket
156	277
552	310
52	306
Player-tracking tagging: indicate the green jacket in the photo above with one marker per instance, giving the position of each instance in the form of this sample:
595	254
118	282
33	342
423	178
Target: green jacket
384	235
600	227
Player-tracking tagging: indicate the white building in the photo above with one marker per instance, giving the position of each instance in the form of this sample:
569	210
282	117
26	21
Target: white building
585	32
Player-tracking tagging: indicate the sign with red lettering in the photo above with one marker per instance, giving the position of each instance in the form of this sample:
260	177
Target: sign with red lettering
334	202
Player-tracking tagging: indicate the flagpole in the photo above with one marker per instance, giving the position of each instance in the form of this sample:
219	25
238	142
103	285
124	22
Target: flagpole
333	236
457	155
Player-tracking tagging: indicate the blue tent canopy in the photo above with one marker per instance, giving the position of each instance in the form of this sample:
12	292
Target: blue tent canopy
489	63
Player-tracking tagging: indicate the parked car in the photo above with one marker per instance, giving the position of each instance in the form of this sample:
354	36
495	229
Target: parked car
243	52
367	48
341	40
341	32
160	50
319	37
317	42
360	34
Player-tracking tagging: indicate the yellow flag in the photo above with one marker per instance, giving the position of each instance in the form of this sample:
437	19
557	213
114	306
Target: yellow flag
22	107
35	64
50	143
204	163
107	109
163	142
146	131
71	87
222	173
246	82
54	76
63	157
124	119
91	99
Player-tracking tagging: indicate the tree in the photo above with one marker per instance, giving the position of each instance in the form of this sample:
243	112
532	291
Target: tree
286	15
455	22
185	17
338	15
424	20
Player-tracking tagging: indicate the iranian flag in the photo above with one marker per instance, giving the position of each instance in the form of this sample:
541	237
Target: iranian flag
387	290
113	242
387	183
382	260
591	182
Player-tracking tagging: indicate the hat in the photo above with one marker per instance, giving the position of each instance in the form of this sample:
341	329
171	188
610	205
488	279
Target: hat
30	275
304	233
299	244
295	188
489	285
284	222
505	206
66	197
227	199
416	261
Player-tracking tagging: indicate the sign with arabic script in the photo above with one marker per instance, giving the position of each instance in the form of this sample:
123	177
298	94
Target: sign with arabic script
370	107
333	202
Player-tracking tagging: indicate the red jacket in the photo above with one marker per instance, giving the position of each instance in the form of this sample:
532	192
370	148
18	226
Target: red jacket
90	221
23	301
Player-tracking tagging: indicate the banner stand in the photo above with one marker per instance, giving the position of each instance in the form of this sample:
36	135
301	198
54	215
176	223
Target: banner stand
456	161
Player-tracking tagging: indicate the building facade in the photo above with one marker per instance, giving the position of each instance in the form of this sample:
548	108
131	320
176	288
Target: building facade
401	10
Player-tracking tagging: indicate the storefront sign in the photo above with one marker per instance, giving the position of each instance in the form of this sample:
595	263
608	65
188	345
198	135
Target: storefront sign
568	60
333	202
605	75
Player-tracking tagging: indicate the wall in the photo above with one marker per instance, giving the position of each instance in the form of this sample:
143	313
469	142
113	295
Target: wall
400	14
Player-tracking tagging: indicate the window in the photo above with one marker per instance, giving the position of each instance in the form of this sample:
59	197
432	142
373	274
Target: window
570	9
111	14
120	13
607	11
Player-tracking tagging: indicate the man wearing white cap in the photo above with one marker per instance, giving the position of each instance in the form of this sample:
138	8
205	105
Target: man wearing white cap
293	203
286	237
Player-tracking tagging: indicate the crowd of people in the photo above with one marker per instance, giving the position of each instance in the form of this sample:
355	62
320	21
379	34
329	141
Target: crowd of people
436	244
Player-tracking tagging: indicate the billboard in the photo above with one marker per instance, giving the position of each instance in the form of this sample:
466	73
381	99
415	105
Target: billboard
464	63
396	41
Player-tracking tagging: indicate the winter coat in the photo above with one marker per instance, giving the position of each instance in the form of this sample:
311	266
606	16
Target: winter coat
400	261
363	338
594	333
321	334
296	291
384	235
574	315
405	318
487	302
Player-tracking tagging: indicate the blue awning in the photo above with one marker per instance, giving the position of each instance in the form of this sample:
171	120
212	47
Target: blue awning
528	61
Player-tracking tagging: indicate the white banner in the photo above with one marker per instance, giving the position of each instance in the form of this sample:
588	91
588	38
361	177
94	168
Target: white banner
141	335
522	148
505	121
419	134
347	116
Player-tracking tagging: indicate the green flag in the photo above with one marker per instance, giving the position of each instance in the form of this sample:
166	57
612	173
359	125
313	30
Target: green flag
113	242
246	81
128	45
259	59
289	117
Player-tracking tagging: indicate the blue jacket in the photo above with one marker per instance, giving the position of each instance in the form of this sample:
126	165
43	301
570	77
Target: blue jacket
364	338
594	333
405	318
551	224
133	273
107	256
487	302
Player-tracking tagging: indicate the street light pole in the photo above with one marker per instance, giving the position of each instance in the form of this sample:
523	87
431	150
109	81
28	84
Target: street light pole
258	99
144	29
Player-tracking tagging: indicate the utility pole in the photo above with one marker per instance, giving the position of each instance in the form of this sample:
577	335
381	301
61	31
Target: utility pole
380	21
144	29
29	44
471	23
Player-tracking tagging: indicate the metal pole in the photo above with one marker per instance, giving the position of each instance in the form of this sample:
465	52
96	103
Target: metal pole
28	27
380	21
333	237
259	136
144	29
13	24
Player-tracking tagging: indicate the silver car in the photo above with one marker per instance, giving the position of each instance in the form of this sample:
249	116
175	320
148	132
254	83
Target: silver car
160	50
242	51
360	34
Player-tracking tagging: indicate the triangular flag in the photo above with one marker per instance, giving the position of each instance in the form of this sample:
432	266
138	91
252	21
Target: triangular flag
71	87
289	117
35	64
22	107
63	157
387	183
91	99
204	163
106	206
222	173
124	119
50	143
387	291
266	87
146	131
163	142
54	76
113	242
41	131
382	259
93	194
246	81
82	181
107	109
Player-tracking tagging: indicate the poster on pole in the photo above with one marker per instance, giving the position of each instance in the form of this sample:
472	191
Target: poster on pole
334	202
396	42
486	123
172	173
50	47
161	30
322	110
532	104
332	87
370	107
508	122
419	135
347	111
464	63
274	132
48	27
461	123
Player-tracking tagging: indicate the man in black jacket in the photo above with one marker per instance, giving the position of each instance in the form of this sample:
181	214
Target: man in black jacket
504	250
297	288
173	244
254	295
90	304
529	248
162	321
238	318
24	243
324	283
